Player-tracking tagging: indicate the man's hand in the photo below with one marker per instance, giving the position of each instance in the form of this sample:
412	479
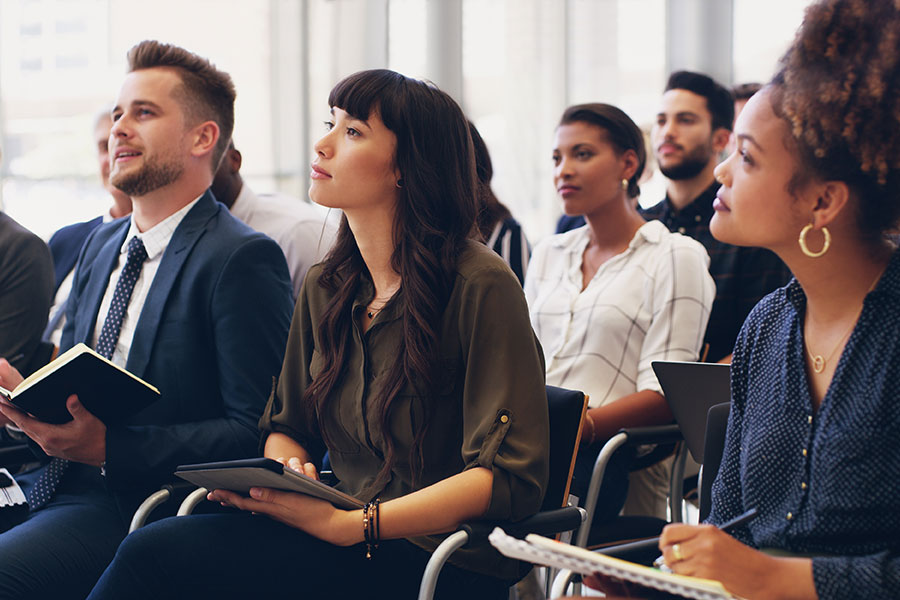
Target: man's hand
83	439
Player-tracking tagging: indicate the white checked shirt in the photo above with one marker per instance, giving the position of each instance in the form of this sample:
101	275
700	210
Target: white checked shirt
156	240
651	302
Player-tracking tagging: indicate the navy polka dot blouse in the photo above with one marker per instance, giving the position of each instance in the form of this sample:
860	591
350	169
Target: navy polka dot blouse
825	483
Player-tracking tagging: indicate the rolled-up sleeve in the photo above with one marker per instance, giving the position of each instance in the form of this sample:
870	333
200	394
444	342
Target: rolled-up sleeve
505	422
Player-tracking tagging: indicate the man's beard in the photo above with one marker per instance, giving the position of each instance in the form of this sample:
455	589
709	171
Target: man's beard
691	165
152	176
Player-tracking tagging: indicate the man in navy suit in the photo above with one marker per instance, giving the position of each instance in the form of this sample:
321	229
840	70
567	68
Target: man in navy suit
204	318
66	243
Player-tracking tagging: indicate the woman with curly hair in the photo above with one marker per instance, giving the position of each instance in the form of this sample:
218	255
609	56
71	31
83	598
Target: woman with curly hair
410	360
812	439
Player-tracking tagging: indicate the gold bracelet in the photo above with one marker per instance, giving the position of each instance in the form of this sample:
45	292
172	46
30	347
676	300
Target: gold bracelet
371	526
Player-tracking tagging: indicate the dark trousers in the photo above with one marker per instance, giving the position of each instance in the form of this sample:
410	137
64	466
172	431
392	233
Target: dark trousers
613	490
247	556
59	551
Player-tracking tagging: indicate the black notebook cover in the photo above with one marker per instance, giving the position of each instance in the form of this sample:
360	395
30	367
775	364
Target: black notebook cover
109	392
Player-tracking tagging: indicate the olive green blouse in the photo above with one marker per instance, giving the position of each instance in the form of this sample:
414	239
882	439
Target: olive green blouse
490	409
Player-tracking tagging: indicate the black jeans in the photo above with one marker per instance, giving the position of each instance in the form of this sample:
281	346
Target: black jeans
246	556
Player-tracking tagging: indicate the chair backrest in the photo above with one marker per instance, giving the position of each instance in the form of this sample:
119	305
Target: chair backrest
566	409
691	388
714	446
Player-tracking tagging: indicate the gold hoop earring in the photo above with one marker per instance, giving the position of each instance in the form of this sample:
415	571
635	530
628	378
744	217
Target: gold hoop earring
625	184
805	248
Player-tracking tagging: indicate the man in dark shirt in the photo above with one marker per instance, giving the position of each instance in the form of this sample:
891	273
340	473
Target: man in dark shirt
692	128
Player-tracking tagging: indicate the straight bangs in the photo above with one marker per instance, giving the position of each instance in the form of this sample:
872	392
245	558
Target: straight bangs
361	93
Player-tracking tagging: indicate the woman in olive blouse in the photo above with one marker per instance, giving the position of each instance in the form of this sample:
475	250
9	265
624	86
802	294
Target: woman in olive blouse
410	359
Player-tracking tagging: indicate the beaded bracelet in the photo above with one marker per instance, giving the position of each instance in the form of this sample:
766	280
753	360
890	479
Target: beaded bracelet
371	526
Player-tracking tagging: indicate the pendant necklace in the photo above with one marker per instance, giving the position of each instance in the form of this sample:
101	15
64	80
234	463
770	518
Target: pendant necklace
818	362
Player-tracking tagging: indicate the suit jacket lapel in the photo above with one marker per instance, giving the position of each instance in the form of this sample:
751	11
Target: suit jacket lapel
103	265
191	229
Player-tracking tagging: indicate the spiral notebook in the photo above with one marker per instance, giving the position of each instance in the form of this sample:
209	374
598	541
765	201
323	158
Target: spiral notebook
545	551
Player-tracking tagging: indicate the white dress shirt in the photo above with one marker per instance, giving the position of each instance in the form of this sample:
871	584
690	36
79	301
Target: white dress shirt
651	302
298	227
156	240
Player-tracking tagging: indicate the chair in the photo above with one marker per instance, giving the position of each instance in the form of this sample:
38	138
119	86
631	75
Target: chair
690	389
632	527
714	446
566	412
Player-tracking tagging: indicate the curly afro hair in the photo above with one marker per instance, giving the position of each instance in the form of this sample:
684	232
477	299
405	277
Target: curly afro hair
838	87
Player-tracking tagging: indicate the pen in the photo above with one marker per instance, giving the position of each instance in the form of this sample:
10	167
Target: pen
734	523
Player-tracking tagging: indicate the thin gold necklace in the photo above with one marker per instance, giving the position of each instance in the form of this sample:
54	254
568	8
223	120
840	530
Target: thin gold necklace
371	312
818	363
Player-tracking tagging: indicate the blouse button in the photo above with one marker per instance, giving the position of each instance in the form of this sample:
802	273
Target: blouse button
805	452
790	516
697	218
681	230
803	486
809	419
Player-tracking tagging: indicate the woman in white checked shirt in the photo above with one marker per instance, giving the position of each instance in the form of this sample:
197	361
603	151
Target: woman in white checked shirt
610	297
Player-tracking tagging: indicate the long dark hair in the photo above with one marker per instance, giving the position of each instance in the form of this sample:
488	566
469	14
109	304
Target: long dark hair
435	215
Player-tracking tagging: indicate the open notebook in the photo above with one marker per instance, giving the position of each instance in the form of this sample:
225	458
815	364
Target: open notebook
107	390
545	551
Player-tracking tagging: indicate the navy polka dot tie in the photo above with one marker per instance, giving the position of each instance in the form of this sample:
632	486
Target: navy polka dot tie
49	480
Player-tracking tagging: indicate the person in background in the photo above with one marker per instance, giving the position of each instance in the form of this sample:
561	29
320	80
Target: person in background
410	361
608	298
26	288
741	93
501	232
65	244
812	439
296	226
182	295
693	127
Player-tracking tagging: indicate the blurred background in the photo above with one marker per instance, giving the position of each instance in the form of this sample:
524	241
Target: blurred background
513	65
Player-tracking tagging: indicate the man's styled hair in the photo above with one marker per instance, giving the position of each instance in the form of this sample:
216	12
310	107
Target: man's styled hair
205	93
719	100
743	91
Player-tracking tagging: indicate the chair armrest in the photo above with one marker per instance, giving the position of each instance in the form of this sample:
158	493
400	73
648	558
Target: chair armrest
548	522
158	498
544	523
632	436
657	434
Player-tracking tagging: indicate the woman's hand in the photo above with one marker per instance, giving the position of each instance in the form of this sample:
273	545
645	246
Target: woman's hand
316	517
707	551
295	463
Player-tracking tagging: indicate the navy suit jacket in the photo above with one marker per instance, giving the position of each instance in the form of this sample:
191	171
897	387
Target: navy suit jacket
65	246
211	337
